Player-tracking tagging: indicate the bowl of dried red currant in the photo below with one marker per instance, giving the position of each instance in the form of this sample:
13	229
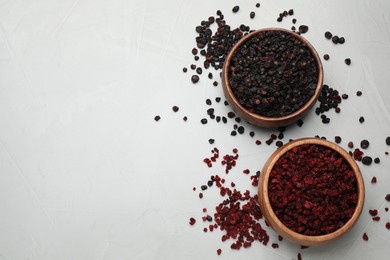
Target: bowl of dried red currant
311	191
272	77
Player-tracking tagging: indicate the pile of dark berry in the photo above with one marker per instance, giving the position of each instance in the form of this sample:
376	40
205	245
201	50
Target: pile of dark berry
273	74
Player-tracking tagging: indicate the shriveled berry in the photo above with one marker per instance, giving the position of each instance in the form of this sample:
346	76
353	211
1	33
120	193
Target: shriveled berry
252	15
184	69
303	28
326	56
364	144
373	212
341	40
387	225
156	118
373	180
235	9
358	93
300	122
365	237
219	251
337	139
211	141
258	5
192	221
367	160
231	114
195	78
203	121
328	35
387	197
175	108
377	160
388	140
350	145
279	143
335	39
348	61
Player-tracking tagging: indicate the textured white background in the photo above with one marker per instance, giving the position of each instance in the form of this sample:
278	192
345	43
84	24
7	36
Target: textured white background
85	171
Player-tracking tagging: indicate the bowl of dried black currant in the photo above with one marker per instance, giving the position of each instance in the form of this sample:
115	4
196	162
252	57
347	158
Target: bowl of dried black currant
311	191
272	77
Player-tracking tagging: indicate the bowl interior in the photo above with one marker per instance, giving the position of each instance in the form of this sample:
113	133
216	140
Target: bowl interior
274	221
260	120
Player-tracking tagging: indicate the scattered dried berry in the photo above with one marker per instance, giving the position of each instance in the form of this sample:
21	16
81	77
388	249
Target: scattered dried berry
367	160
235	9
195	78
361	119
373	180
252	15
156	118
373	212
175	108
364	144
358	93
326	56
337	139
328	35
192	221
377	160
303	29
203	121
348	61
365	237
387	225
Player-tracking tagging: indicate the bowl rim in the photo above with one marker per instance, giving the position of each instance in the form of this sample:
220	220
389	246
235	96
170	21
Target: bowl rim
258	117
270	215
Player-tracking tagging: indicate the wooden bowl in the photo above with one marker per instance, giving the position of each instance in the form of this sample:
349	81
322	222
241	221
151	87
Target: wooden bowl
257	119
274	221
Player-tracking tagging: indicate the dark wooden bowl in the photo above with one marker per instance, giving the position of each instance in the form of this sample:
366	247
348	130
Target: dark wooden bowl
257	119
274	221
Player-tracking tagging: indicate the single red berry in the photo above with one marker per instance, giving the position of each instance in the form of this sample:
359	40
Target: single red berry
365	237
192	221
219	251
387	225
373	212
